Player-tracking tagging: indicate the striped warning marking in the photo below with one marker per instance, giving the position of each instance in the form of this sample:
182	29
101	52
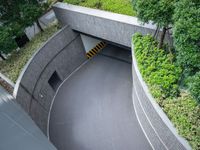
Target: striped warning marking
96	49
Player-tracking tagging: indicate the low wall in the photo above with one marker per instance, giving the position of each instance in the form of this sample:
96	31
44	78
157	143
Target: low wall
108	26
157	127
6	83
50	65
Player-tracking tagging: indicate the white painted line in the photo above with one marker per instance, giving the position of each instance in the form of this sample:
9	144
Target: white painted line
57	93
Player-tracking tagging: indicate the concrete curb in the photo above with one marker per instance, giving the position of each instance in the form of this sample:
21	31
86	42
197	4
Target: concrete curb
108	26
157	127
7	83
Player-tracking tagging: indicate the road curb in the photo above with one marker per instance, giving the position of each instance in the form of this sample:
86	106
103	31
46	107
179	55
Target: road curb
6	83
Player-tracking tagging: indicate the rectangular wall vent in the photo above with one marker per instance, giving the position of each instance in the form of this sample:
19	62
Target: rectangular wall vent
55	81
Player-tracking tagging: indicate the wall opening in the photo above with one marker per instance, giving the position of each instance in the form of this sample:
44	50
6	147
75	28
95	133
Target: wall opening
55	81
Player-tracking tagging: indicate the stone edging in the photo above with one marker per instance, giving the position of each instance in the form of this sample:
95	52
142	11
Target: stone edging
155	124
6	83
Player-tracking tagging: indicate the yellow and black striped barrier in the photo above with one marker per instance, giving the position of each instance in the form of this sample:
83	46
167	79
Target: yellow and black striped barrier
96	49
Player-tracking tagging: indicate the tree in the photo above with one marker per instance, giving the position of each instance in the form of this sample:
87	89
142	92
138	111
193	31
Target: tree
7	43
31	12
16	15
158	11
186	33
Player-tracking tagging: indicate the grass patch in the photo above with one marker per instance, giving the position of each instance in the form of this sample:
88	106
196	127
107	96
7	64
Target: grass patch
117	6
13	66
161	73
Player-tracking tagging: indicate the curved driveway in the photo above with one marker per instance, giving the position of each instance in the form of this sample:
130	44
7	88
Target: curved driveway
93	109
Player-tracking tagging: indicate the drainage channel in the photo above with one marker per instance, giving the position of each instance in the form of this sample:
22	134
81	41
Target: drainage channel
93	108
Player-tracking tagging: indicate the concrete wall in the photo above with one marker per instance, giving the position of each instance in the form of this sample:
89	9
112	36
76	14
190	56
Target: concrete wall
89	42
44	21
155	124
63	53
108	26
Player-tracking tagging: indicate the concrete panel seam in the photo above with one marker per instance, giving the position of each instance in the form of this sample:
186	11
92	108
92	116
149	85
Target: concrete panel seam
31	59
32	95
148	119
140	122
32	98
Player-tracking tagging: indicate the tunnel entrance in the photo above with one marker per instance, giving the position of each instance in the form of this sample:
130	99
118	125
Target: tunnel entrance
93	109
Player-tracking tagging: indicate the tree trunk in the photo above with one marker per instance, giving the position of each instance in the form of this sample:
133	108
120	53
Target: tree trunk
2	57
39	26
162	37
156	32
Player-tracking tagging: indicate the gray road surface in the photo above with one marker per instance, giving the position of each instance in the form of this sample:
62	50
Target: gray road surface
93	109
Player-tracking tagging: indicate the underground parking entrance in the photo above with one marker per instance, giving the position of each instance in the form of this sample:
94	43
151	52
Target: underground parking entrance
93	108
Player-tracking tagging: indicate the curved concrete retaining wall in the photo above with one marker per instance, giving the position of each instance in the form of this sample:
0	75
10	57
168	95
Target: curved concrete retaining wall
108	26
155	124
63	53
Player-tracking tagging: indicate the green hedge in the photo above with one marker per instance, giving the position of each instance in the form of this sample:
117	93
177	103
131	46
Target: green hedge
161	73
116	6
193	84
156	66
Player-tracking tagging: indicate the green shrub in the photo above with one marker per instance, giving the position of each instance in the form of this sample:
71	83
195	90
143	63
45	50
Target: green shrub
156	66
186	33
162	75
116	6
193	84
13	66
7	42
184	112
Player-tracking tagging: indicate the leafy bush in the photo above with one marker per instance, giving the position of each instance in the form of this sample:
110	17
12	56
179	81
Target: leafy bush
7	42
15	63
193	84
156	66
186	32
116	6
184	112
162	75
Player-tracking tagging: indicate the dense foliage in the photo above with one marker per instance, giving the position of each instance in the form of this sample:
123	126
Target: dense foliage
15	16
184	112
184	18
116	6
7	42
186	31
193	83
162	75
158	11
156	66
15	63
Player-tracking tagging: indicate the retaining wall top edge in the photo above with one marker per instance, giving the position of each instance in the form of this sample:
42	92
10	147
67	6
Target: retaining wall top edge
158	109
104	14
